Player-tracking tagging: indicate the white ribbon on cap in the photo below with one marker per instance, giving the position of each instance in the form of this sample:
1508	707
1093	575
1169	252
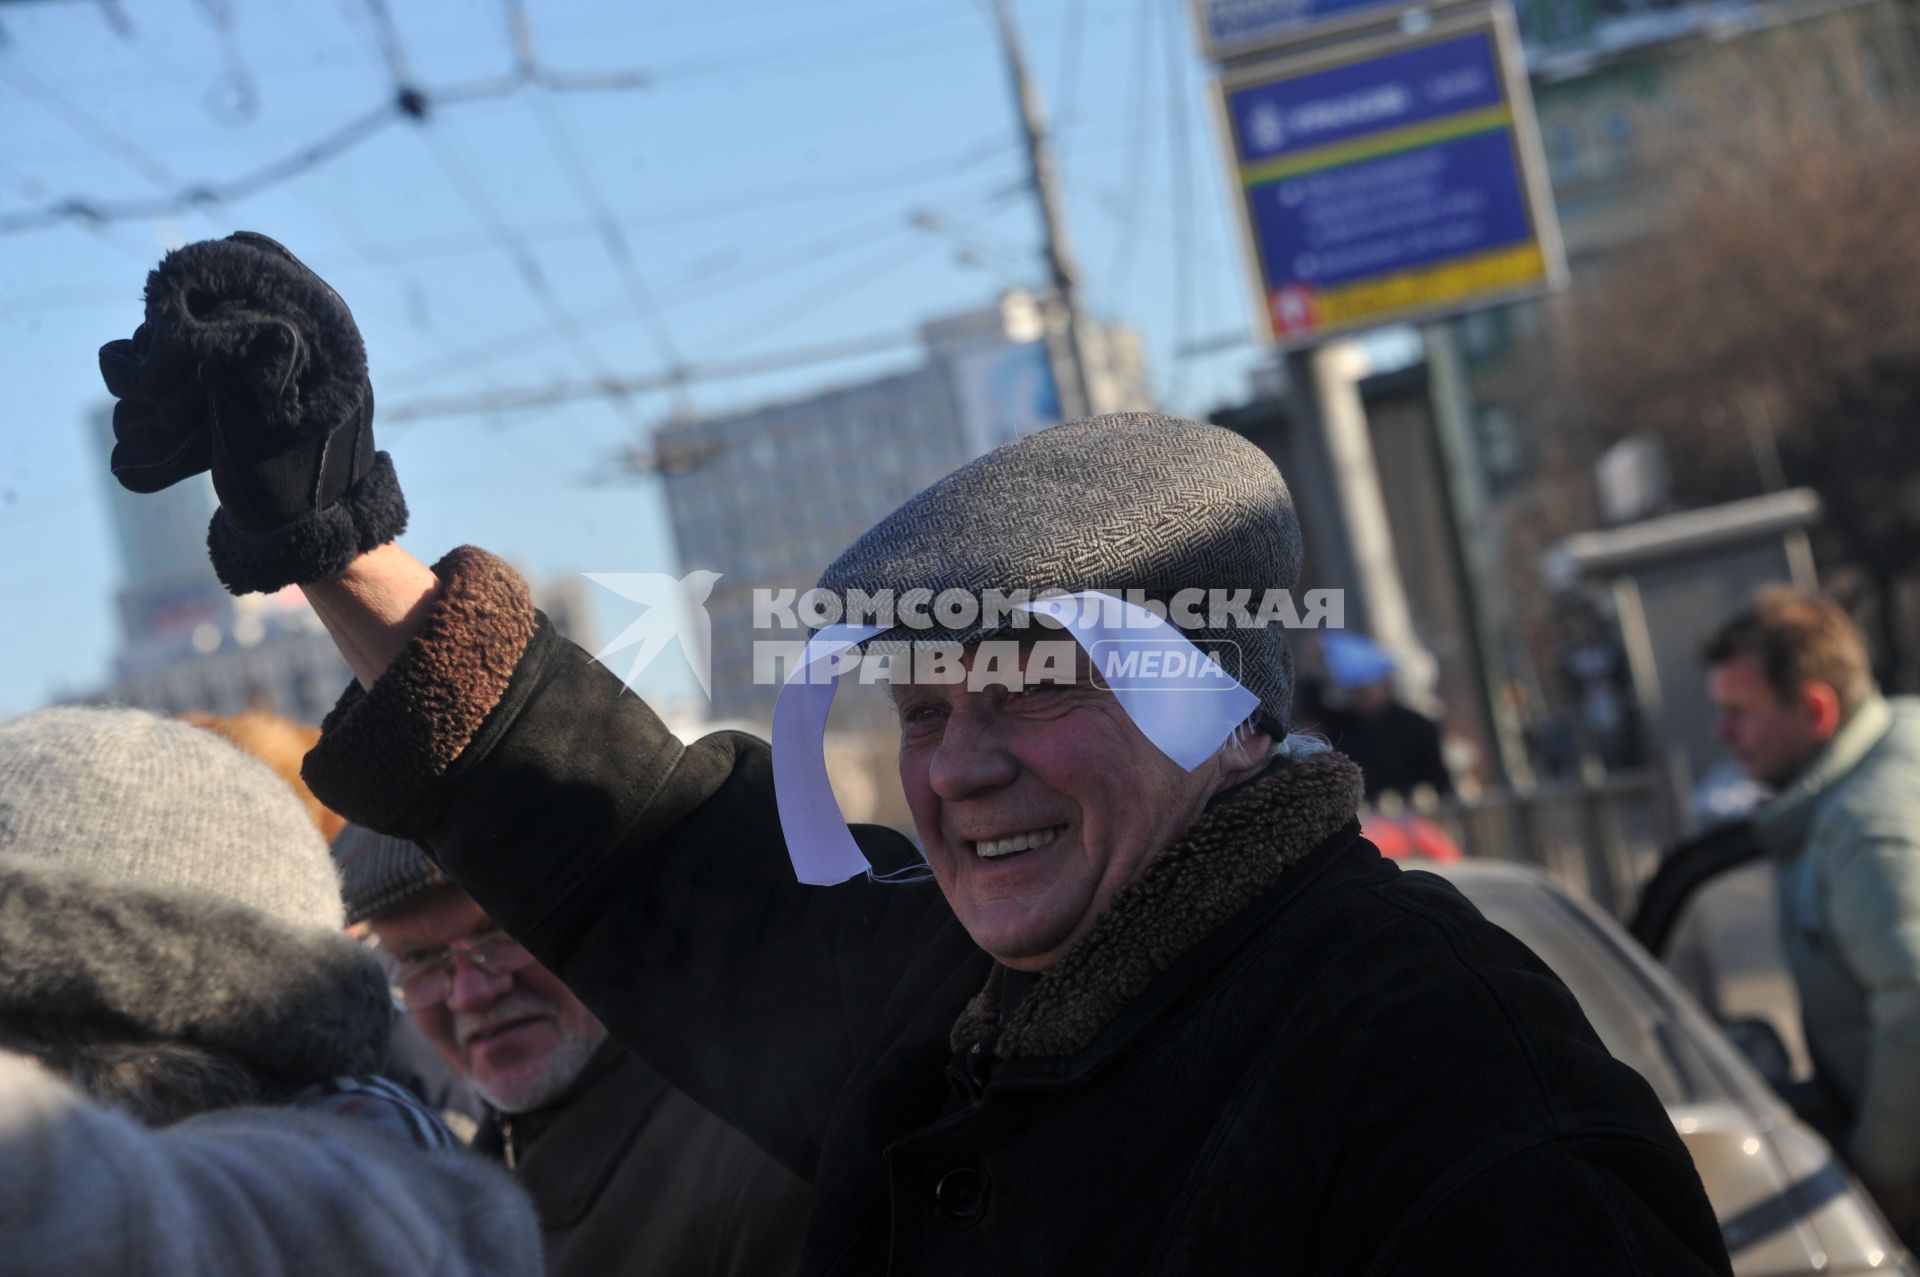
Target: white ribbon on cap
1187	728
818	840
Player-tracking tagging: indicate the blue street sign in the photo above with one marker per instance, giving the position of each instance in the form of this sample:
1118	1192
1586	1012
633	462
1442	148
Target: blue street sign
1382	186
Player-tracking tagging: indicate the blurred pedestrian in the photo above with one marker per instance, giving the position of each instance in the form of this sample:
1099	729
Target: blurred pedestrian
1798	709
1160	1007
1396	747
628	1174
184	1032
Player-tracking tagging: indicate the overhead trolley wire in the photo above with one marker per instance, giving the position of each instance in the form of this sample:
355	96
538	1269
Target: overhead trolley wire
719	370
1071	46
1140	138
407	100
612	239
467	186
781	315
703	285
1182	193
80	121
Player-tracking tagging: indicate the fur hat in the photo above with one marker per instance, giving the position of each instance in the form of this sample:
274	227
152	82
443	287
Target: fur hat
155	878
1132	501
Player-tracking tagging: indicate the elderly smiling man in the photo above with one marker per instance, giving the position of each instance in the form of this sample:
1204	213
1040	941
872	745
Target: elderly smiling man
628	1175
1164	1010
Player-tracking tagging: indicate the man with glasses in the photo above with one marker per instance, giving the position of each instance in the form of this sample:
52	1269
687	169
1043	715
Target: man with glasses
628	1174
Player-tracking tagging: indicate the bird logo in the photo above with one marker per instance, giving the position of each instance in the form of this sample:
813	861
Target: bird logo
674	610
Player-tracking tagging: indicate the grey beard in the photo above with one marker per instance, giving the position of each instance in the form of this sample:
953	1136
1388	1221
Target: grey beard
551	1080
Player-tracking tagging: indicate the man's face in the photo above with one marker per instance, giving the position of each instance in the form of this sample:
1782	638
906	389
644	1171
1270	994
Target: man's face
1374	699
521	1038
1770	738
1036	807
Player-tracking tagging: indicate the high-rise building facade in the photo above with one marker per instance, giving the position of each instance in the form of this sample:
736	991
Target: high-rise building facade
186	644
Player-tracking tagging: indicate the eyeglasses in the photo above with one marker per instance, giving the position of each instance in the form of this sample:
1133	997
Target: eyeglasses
426	981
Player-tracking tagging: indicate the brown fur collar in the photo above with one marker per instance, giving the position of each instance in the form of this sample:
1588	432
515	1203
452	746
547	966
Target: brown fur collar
380	750
1232	854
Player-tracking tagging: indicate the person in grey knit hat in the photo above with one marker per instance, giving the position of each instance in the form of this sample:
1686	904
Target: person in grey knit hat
171	949
1161	1007
219	898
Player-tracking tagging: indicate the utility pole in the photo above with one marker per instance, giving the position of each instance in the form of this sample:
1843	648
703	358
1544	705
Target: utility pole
1451	399
1324	383
1076	392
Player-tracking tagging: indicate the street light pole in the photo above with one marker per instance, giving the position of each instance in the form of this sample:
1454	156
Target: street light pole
1076	392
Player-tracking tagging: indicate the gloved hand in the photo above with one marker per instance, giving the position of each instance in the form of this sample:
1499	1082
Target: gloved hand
248	364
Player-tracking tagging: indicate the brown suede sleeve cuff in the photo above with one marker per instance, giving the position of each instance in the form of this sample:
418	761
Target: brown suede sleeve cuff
381	751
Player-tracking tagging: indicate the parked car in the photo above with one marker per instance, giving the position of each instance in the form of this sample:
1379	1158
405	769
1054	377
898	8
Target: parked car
1786	1204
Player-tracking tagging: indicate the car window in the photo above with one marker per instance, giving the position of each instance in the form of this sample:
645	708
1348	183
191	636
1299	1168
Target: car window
1724	949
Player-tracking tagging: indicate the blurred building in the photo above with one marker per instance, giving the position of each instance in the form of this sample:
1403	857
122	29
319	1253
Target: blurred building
167	588
186	644
769	496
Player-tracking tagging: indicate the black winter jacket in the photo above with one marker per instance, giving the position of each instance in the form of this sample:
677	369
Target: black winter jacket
633	1179
1276	1053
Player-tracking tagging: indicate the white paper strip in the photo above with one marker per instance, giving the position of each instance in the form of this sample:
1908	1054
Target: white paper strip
818	840
1179	698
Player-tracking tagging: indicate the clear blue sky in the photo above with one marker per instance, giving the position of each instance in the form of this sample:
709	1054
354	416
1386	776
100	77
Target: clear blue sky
765	184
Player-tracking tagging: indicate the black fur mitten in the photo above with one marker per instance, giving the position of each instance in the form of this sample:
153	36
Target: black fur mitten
249	364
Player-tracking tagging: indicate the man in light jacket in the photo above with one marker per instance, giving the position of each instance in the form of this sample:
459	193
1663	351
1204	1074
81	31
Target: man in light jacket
1800	712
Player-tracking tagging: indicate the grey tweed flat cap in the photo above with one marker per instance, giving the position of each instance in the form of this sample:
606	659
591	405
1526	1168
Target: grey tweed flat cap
380	873
1131	501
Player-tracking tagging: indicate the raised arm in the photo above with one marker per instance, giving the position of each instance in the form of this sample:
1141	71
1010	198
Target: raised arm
650	875
374	607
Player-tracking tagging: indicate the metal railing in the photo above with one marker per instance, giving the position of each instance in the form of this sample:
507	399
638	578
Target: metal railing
1602	838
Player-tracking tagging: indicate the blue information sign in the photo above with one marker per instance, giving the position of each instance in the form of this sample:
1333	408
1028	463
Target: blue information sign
1380	187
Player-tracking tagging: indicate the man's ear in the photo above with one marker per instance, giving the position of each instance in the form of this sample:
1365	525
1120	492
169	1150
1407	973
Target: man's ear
1821	704
1244	752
